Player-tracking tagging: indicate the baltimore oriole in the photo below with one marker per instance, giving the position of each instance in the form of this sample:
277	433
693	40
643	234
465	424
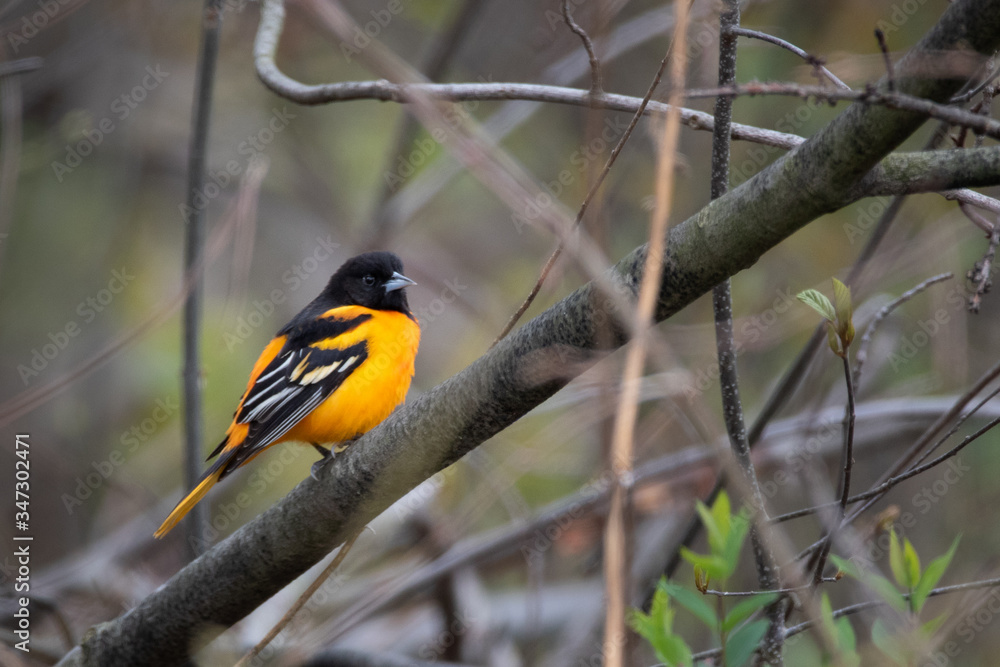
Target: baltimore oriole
331	374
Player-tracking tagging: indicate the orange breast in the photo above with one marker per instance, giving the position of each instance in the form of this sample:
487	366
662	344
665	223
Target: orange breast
375	387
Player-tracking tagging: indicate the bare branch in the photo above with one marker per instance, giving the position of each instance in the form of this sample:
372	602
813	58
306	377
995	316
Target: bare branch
809	58
595	64
194	241
615	152
884	48
870	95
862	354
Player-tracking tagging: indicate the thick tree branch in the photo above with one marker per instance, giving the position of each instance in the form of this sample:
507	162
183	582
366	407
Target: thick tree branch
527	367
932	171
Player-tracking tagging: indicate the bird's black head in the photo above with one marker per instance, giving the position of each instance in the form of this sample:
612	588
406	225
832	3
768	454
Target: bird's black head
373	280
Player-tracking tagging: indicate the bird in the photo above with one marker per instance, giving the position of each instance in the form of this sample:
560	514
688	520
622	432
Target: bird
334	372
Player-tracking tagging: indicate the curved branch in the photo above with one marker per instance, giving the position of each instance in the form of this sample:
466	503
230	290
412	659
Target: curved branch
527	367
272	19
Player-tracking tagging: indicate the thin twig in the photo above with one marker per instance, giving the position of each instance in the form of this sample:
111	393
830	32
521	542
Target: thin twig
444	48
862	354
862	606
990	76
847	467
976	199
815	61
976	218
885	486
890	77
985	108
869	95
595	64
20	66
918	447
591	193
780	591
981	276
616	539
300	602
194	240
957	425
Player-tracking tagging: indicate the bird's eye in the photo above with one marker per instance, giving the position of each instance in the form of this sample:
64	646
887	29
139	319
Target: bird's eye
368	280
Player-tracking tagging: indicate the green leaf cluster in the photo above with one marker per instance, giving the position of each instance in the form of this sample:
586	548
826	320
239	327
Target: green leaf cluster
907	595
726	533
839	315
739	634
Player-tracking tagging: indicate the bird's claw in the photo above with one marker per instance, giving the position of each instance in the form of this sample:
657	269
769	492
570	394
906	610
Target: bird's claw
326	456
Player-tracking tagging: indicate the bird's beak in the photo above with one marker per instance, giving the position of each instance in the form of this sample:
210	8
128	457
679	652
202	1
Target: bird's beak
398	281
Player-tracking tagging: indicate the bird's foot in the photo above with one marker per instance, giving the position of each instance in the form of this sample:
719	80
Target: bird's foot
326	456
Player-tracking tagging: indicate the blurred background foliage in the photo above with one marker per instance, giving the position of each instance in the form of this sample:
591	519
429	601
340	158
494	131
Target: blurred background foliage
92	250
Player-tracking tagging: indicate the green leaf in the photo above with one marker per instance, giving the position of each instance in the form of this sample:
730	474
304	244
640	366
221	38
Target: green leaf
842	632
931	576
845	636
846	566
833	339
694	603
887	643
896	563
826	612
656	628
712	529
885	590
741	645
928	629
912	562
818	302
674	652
882	586
844	311
746	609
722	513
734	542
715	567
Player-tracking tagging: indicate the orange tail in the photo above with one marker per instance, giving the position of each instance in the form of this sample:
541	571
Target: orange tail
184	506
